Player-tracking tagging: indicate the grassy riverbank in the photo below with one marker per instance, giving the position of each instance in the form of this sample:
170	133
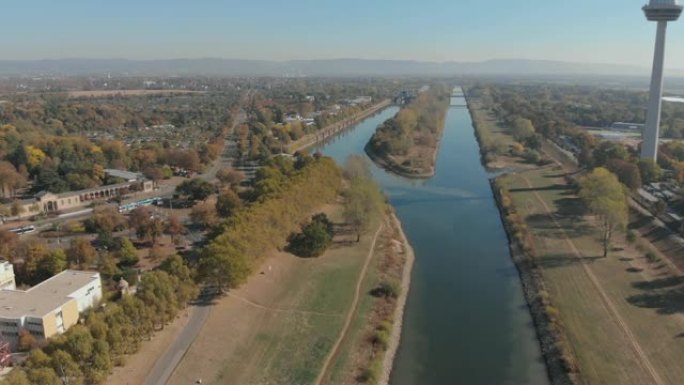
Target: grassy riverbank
408	143
608	320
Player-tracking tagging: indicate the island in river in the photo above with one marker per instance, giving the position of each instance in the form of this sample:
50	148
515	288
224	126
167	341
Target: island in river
407	143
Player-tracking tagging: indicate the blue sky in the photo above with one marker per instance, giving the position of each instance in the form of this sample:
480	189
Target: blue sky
603	31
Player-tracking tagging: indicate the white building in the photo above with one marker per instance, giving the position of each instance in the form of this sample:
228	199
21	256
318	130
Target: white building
49	308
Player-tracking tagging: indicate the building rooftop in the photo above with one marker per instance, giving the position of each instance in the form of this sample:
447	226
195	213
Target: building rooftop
44	297
127	175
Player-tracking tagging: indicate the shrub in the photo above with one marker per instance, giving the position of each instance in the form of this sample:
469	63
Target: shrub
651	257
387	290
381	338
372	373
314	239
631	236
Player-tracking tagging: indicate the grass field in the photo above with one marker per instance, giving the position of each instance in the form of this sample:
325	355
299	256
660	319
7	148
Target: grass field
279	328
622	314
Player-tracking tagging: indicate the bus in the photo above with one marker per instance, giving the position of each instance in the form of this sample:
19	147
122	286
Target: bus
23	230
126	207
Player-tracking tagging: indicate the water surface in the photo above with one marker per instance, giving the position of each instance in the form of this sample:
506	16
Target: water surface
466	321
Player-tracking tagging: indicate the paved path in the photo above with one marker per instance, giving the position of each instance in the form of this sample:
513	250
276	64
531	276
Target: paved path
167	362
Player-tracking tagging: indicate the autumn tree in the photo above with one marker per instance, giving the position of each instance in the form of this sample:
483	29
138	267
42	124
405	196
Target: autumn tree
362	200
146	224
81	253
174	228
203	215
230	176
605	196
228	201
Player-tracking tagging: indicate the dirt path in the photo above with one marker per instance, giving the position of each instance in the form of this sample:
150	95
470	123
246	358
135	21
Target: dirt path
323	374
643	358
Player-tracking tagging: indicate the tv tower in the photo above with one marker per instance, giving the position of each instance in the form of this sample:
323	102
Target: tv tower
661	11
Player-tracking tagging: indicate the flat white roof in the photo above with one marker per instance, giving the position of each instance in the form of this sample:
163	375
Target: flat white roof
46	296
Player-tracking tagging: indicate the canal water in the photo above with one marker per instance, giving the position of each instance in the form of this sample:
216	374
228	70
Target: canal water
466	321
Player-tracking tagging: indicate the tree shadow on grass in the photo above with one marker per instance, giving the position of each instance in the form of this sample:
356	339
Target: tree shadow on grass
564	260
552	187
572	227
658	284
665	302
666	295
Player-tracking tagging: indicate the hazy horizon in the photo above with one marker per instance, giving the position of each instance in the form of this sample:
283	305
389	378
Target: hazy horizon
606	32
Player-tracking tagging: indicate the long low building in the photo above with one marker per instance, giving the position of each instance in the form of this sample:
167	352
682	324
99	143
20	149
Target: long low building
47	202
49	308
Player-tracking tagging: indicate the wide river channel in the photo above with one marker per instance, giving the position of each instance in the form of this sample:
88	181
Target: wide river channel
466	321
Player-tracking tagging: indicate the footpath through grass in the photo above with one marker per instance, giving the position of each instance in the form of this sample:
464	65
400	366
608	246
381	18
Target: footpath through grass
622	314
281	325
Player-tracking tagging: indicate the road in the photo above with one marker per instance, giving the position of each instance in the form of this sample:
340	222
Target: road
167	362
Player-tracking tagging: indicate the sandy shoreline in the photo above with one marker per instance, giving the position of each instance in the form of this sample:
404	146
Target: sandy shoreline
395	336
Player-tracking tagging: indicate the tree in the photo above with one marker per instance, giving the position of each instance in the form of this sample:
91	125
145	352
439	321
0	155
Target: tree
44	376
155	174
26	341
81	253
66	368
182	277
174	228
228	201
106	219
314	239
146	224
605	196
18	377
363	200
609	150
224	266
650	171
10	180
127	253
627	172
203	215
8	243
230	176
522	129
54	263
195	189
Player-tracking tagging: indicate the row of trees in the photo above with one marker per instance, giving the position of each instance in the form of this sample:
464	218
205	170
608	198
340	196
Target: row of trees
422	119
87	352
277	211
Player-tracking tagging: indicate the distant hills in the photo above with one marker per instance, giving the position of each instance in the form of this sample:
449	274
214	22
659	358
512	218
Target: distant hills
334	67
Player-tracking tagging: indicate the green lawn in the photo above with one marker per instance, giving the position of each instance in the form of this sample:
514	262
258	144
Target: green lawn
287	341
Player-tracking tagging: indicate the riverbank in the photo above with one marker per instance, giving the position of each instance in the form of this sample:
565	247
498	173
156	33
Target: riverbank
395	335
558	356
321	135
408	143
601	320
281	326
387	164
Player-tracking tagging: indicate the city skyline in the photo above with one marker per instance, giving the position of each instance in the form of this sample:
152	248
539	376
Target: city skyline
435	30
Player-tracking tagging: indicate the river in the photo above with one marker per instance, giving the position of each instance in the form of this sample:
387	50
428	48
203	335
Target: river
466	321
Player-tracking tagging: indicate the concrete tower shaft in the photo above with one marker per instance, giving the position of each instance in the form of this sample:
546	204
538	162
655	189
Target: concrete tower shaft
661	11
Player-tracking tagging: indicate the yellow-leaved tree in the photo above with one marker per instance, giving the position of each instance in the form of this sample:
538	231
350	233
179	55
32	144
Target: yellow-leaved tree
605	196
